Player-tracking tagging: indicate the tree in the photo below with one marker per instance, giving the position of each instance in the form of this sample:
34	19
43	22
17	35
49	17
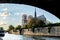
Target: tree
40	23
11	27
26	26
33	27
31	22
1	28
18	27
49	28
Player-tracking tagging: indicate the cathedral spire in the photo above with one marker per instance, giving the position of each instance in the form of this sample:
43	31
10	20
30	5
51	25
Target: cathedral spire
35	13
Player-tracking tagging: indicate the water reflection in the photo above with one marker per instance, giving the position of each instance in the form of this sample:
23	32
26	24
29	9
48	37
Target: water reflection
44	38
24	37
15	37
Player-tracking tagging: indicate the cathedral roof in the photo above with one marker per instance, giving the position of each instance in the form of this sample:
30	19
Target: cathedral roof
42	16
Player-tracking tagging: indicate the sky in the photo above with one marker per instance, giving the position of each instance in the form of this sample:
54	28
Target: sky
11	14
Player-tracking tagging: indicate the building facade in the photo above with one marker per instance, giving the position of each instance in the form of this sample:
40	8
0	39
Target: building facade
24	20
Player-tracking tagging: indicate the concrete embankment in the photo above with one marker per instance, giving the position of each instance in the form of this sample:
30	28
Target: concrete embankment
41	34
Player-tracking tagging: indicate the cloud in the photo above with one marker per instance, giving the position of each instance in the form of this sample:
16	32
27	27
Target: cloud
20	14
2	23
13	19
5	9
4	15
17	13
2	5
24	13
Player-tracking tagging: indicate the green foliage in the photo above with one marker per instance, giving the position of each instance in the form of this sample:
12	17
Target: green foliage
31	22
33	26
1	28
49	28
26	27
40	23
11	27
54	24
18	27
15	30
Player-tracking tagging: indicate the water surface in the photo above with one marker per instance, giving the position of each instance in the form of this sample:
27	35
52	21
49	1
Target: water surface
23	37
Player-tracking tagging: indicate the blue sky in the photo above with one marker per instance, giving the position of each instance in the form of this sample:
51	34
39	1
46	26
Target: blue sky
12	14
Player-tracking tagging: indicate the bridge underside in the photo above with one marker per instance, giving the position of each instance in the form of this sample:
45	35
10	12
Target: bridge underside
49	5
